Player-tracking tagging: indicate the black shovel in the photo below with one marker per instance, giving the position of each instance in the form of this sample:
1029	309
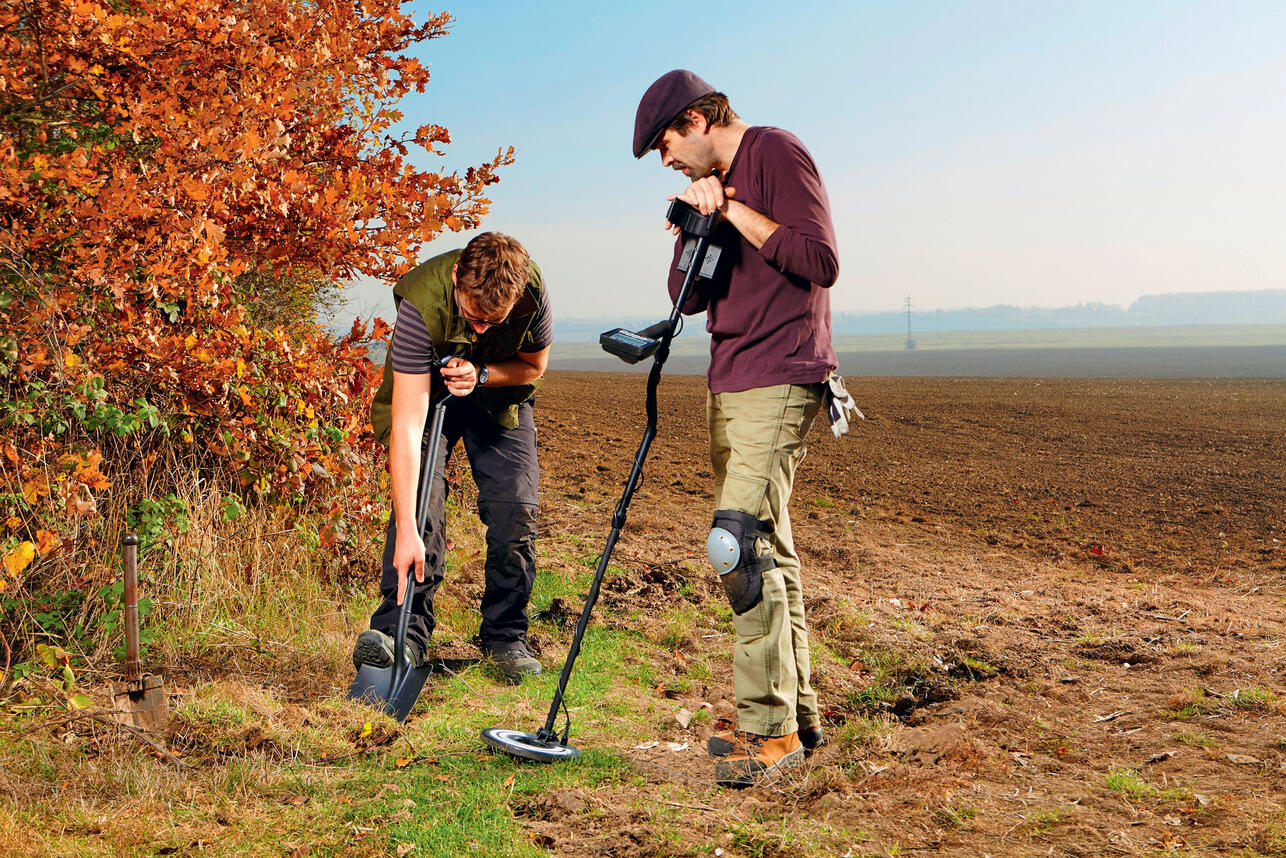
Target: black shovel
396	688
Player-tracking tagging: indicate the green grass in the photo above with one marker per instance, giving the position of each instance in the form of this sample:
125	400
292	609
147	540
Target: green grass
977	669
270	776
954	815
1042	820
1195	740
1189	704
1273	840
434	788
1250	699
875	697
1129	783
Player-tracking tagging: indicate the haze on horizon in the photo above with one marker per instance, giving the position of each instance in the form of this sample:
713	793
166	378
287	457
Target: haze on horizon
975	154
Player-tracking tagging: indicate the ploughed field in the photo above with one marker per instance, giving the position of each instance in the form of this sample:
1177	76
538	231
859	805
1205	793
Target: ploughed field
1047	616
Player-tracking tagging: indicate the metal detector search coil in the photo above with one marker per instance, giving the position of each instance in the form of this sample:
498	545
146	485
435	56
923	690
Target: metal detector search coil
528	746
546	745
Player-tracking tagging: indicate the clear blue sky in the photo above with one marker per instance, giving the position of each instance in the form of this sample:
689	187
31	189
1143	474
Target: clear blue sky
975	153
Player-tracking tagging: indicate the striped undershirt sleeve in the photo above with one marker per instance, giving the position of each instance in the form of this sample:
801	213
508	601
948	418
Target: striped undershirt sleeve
412	349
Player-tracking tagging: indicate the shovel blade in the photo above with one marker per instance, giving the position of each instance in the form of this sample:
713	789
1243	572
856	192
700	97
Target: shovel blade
378	687
141	703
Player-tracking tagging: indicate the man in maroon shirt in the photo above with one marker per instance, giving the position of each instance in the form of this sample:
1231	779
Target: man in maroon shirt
768	314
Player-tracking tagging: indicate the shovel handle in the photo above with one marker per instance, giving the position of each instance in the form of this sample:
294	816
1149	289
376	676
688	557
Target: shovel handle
427	483
130	551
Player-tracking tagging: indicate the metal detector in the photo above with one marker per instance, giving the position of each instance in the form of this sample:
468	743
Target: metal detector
699	259
396	688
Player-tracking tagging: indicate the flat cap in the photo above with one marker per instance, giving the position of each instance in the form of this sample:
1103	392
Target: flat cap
664	100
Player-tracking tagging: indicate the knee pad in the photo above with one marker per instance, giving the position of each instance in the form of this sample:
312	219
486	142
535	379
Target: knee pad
731	549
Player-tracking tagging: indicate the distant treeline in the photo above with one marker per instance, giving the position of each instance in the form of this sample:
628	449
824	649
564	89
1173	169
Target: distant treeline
1263	307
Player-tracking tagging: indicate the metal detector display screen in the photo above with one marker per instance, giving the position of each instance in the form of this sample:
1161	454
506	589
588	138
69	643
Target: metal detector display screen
627	345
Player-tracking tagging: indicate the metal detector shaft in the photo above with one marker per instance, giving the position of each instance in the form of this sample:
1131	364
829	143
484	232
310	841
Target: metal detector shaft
636	474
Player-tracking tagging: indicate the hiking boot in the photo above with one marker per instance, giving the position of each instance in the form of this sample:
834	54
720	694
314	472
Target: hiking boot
513	658
375	648
760	758
811	738
721	744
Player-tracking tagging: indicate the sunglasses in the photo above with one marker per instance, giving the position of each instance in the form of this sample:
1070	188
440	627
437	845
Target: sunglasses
484	324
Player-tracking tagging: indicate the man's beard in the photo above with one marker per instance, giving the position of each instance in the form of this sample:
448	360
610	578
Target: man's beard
696	172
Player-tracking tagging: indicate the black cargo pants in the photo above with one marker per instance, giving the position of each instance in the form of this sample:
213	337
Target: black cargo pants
505	470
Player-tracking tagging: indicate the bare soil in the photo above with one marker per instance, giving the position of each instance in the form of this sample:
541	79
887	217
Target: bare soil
1018	590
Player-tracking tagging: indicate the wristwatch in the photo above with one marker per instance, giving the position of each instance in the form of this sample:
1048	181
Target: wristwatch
483	374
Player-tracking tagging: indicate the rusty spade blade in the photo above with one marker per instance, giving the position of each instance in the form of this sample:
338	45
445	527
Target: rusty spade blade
140	699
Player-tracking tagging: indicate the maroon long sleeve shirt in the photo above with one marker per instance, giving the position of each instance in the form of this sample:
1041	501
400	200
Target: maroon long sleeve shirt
768	311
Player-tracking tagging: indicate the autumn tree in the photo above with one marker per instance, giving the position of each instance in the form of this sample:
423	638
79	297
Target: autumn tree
163	166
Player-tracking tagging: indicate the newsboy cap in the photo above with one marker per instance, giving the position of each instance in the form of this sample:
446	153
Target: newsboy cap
664	100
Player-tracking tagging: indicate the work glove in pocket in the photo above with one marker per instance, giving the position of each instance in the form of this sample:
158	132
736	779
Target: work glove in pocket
839	404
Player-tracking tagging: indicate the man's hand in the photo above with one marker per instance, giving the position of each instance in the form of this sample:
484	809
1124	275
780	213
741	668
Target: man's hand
460	376
705	195
408	551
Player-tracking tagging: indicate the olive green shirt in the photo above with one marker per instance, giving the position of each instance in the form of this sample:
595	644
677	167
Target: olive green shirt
429	289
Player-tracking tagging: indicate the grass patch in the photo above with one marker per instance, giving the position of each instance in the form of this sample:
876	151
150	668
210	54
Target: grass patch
1189	704
954	815
1250	699
677	627
860	732
843	622
1043	820
1273	839
1129	783
875	697
1195	739
977	669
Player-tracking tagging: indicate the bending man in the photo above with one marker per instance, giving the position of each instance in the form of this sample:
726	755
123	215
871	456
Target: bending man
486	308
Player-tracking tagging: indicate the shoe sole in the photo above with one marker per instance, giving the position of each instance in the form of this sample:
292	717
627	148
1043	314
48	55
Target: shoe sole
727	774
371	650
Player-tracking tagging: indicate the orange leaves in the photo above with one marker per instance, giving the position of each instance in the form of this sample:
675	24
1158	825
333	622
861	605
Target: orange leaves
190	173
84	468
46	542
197	190
19	558
90	11
34	488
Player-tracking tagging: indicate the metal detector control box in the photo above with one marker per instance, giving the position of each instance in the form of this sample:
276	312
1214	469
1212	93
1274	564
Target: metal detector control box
633	346
627	345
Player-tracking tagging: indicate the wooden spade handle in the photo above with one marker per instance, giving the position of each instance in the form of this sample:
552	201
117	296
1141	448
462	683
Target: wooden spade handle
130	543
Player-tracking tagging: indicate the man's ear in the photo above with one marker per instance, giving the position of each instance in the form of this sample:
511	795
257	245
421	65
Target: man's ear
698	121
454	266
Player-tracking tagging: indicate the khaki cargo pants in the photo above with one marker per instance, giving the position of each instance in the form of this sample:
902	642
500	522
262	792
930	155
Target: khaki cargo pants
756	442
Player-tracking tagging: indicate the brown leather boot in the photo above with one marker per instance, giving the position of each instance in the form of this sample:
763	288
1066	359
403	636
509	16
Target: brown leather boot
764	756
723	743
